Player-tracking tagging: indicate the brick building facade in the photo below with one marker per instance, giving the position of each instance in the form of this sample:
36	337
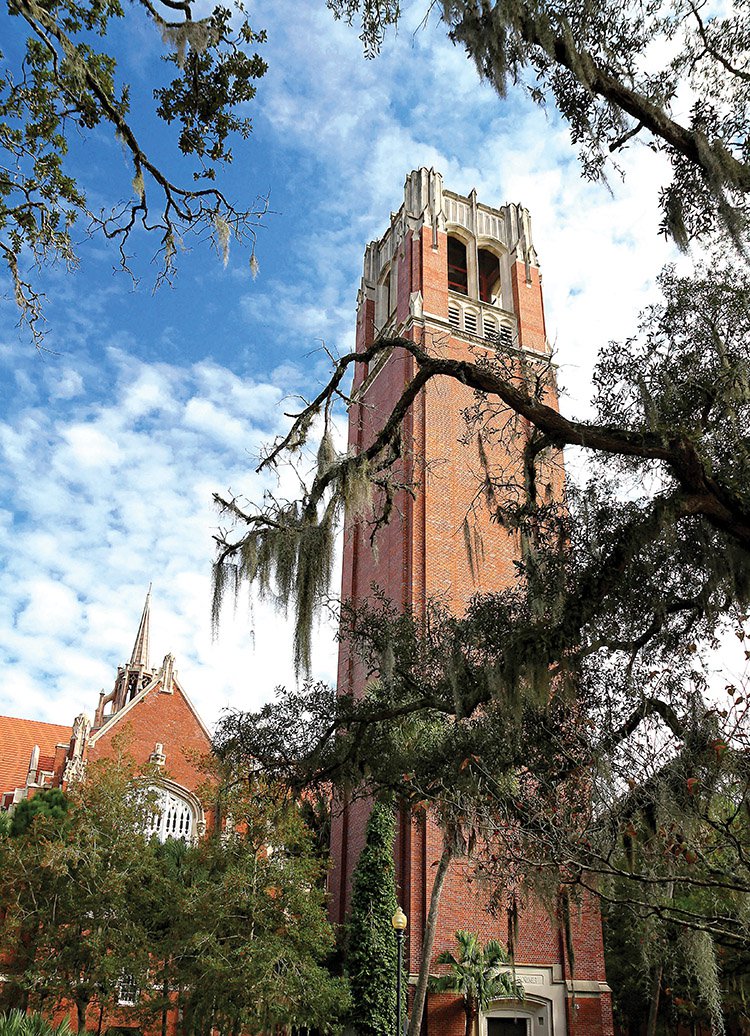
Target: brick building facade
462	278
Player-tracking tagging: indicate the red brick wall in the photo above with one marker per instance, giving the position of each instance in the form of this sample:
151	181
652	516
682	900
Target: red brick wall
168	719
110	1018
529	307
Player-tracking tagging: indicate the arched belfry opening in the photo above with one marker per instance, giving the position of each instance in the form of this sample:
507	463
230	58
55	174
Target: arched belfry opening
458	269
489	276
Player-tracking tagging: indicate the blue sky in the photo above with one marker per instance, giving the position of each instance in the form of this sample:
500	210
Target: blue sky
111	445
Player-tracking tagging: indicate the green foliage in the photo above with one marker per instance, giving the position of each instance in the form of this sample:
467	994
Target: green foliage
65	84
258	964
479	974
236	924
19	1023
50	803
377	16
688	962
528	784
71	898
371	953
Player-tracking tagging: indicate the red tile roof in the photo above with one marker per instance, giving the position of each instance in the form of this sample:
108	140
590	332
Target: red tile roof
17	739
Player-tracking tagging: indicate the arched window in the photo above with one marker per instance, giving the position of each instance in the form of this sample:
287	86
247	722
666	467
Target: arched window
386	289
458	275
385	299
172	816
489	275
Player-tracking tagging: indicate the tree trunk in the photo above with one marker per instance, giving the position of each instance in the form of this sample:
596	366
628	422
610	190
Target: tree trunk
81	1004
420	993
653	1009
165	1008
470	1012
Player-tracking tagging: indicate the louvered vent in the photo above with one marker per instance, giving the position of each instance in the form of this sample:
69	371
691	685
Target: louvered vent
490	329
454	316
506	336
470	322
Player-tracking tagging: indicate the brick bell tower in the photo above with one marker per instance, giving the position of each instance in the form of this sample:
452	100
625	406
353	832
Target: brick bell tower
462	278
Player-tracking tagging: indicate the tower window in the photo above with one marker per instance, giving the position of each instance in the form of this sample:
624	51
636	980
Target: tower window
489	275
383	301
387	295
458	276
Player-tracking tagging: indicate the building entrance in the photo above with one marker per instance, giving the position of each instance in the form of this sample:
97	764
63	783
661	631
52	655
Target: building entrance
507	1026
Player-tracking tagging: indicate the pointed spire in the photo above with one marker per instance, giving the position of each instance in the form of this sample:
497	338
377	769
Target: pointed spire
140	648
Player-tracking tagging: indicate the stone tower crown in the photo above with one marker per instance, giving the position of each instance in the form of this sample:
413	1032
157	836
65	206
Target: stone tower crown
487	249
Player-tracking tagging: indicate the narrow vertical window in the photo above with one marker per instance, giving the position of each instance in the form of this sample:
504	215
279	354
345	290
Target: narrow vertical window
458	277
383	300
489	276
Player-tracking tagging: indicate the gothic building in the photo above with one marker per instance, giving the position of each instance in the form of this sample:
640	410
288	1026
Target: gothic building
462	278
158	725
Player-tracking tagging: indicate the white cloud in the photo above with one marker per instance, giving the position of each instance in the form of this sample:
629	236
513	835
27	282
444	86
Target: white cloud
65	384
117	494
50	608
88	447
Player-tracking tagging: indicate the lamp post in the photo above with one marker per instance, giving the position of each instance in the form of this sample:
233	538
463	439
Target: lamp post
399	922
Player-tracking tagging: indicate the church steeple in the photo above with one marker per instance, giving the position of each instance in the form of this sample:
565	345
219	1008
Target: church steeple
139	656
133	677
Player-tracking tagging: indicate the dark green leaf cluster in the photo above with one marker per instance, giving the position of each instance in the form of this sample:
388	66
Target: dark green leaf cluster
656	966
688	372
532	783
371	955
210	87
50	804
376	16
259	964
